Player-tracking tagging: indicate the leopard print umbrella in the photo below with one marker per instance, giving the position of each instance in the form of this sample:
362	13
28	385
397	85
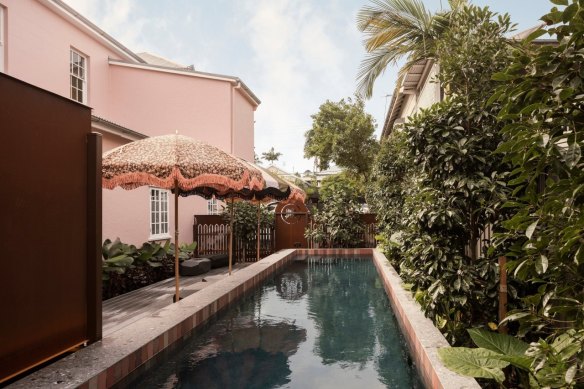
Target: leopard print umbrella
171	160
182	164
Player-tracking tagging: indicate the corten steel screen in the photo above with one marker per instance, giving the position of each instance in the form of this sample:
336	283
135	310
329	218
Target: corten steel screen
50	212
291	222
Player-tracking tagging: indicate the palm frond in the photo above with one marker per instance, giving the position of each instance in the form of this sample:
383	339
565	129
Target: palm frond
395	29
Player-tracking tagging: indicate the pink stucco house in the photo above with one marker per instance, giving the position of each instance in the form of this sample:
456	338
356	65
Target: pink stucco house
50	45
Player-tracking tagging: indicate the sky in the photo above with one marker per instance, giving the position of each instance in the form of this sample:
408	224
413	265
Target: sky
293	54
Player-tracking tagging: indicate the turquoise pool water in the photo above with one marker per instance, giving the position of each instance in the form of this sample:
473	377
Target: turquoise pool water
322	323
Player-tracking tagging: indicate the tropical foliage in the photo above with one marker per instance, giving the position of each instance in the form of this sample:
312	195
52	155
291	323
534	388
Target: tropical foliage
126	267
396	30
337	223
271	155
542	99
393	177
245	219
436	184
342	133
536	365
503	151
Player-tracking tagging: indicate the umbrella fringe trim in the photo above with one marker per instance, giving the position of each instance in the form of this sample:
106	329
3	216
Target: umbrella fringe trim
134	180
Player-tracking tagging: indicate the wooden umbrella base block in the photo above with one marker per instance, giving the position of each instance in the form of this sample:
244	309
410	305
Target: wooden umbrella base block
218	260
195	267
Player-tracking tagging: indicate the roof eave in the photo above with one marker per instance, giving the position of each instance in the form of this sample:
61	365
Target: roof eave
401	92
191	73
68	13
105	125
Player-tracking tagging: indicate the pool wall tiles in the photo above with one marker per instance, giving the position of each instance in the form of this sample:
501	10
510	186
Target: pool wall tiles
422	337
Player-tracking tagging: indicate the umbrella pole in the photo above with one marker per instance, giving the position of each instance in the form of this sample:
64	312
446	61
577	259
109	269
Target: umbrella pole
258	234
231	238
176	248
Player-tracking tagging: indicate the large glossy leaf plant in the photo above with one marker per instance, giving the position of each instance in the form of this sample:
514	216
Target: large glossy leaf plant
542	98
453	186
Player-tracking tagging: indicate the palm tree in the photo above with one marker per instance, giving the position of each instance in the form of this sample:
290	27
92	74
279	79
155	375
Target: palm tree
395	29
271	156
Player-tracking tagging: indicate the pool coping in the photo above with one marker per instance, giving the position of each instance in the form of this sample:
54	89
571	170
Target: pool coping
107	362
422	337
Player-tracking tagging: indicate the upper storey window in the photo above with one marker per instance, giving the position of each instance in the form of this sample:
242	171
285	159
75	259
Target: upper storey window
78	76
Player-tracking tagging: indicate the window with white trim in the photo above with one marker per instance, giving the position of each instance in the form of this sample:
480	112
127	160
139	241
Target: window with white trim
2	38
212	207
158	213
78	76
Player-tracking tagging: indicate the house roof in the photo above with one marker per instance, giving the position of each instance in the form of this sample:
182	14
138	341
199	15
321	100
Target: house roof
277	170
328	172
154	59
114	128
147	60
415	78
411	83
284	174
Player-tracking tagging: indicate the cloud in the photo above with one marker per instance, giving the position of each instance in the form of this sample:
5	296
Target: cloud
298	53
119	18
294	54
84	7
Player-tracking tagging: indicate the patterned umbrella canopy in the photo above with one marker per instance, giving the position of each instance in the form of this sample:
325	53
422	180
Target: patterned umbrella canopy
172	161
275	188
182	164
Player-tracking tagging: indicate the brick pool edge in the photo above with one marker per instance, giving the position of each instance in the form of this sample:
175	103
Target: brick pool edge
107	362
422	337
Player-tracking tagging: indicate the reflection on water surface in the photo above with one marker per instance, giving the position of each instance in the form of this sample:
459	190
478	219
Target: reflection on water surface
323	323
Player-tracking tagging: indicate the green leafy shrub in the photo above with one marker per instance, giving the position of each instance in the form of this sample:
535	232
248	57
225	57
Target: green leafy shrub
542	96
392	177
437	184
536	365
186	251
117	257
126	268
337	223
245	219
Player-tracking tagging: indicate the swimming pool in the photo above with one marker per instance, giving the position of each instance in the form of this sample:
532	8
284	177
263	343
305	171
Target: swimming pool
321	323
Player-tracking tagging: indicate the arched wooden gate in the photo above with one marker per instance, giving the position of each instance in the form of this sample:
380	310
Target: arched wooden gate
291	222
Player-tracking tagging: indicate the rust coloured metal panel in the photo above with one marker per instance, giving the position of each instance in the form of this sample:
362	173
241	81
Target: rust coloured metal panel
291	222
46	258
94	224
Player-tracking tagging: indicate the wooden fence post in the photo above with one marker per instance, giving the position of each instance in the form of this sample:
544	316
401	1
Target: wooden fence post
502	293
195	236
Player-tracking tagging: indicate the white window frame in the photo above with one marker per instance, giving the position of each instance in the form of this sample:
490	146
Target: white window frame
159	214
2	38
213	207
78	76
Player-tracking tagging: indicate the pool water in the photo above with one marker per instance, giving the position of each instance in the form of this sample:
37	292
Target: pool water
322	323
